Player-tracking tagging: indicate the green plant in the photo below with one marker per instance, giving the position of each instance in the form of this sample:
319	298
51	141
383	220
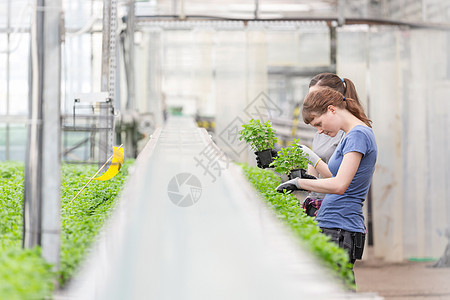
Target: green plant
260	136
83	218
304	227
24	274
290	158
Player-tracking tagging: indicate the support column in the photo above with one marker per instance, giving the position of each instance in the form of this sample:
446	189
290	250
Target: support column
42	225
108	76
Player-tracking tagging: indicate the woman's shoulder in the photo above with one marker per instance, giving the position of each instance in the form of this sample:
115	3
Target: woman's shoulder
361	130
361	133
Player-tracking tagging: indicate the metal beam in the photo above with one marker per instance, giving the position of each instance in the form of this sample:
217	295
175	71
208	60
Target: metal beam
108	76
129	56
105	45
141	20
8	69
42	206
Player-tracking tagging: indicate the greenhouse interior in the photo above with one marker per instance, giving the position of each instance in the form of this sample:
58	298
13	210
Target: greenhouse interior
127	168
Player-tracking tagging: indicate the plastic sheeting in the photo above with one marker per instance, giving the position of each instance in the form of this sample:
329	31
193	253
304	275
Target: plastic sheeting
220	70
404	78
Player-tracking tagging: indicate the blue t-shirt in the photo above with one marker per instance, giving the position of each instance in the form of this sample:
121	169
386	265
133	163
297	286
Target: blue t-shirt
345	211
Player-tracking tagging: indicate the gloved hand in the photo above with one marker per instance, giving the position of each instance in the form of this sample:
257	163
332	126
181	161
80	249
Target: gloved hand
293	184
289	186
258	161
312	157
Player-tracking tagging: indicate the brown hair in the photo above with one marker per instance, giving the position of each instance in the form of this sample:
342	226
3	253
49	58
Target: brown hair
316	104
343	85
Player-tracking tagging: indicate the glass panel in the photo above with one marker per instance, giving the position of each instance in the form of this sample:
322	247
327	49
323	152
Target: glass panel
230	89
77	68
20	14
282	48
3	74
76	146
2	142
313	45
3	14
352	56
16	137
78	14
19	63
18	142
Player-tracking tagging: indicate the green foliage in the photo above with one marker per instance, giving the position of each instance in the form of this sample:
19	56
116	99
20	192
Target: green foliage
290	158
83	218
260	136
11	195
287	208
23	272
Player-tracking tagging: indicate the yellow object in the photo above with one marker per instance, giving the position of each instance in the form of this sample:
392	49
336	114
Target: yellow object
295	115
115	166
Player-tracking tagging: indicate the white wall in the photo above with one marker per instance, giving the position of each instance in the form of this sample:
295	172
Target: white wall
406	76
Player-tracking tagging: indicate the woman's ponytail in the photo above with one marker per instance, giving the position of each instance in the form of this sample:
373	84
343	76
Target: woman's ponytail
355	108
350	91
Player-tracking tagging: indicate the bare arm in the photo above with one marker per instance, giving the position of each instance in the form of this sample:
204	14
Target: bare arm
322	169
338	184
312	171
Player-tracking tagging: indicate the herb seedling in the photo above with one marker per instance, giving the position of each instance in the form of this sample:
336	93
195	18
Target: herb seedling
260	136
290	158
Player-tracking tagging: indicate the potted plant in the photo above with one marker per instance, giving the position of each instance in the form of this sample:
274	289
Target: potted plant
290	160
261	138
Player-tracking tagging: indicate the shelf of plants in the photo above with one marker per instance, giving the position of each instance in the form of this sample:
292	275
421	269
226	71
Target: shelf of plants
23	273
287	208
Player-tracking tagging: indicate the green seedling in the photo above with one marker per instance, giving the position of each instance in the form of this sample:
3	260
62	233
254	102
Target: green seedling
290	158
260	136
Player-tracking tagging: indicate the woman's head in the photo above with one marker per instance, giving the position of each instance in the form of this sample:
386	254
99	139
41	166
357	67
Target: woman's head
343	85
319	102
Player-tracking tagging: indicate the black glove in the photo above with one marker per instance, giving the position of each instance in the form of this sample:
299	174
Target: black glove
293	185
305	175
273	153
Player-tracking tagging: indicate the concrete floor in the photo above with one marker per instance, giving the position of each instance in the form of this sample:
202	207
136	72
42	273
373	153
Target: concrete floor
401	281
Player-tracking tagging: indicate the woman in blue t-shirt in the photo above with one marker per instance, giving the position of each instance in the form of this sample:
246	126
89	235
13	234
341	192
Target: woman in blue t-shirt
323	146
349	171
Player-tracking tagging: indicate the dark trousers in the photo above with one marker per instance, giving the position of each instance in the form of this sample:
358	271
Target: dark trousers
352	242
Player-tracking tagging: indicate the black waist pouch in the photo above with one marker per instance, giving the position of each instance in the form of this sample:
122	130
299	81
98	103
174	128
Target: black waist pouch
358	244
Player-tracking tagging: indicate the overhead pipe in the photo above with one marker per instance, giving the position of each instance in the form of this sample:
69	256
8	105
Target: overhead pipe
329	20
